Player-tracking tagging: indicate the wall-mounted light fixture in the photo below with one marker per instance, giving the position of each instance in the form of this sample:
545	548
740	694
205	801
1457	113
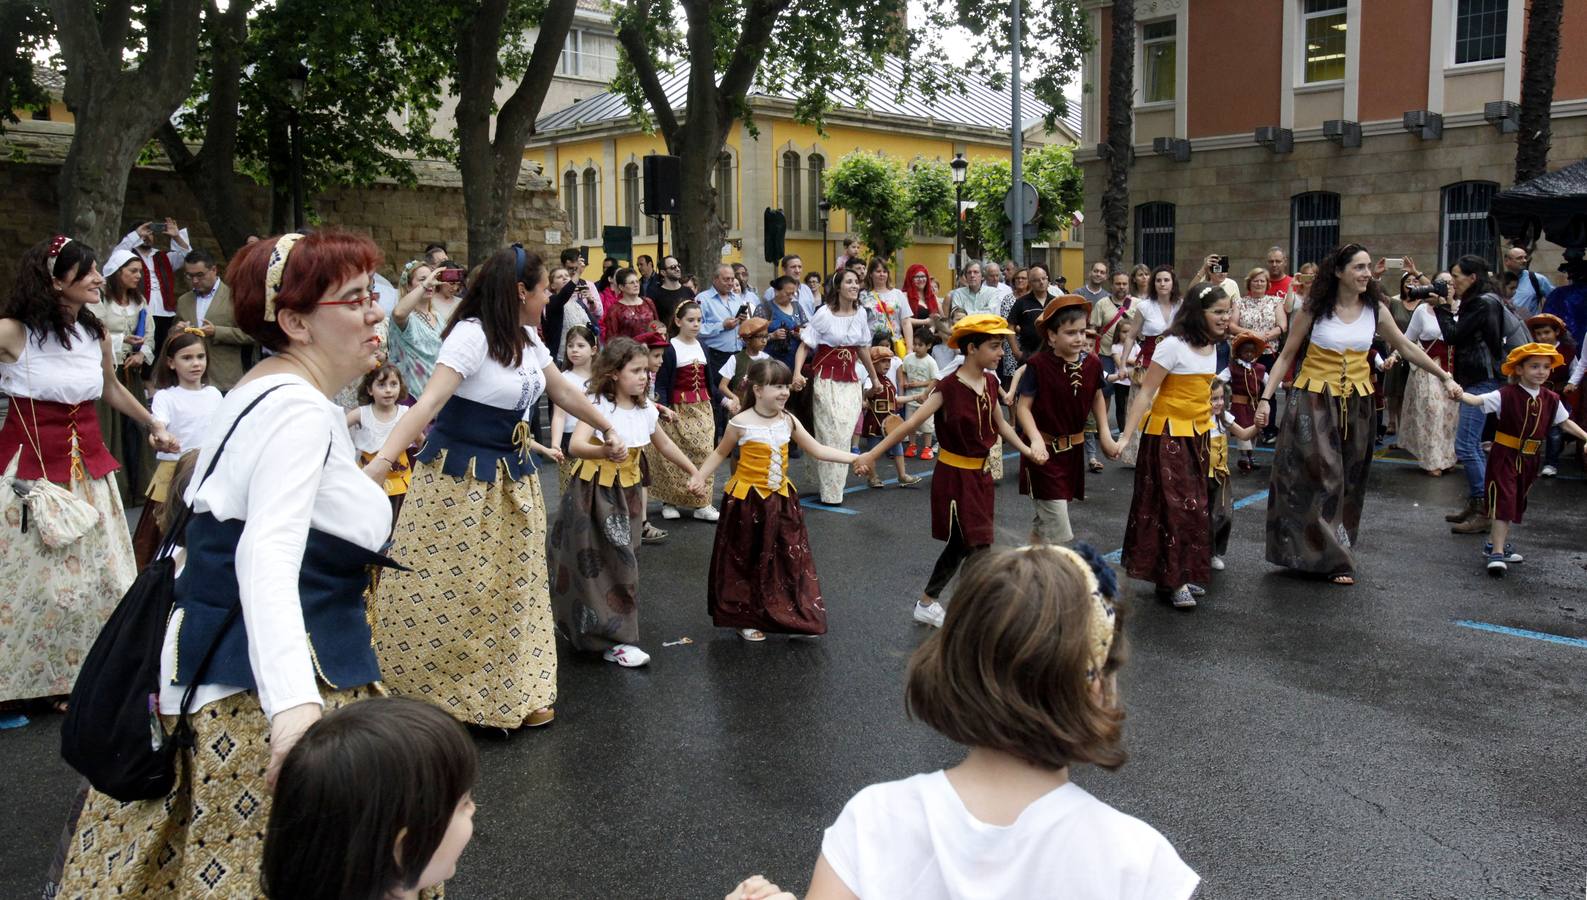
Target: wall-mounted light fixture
1429	126
1276	139
1177	149
1504	115
1343	132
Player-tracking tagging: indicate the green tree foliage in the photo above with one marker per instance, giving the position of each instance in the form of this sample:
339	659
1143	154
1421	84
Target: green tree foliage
24	31
1050	169
873	189
930	185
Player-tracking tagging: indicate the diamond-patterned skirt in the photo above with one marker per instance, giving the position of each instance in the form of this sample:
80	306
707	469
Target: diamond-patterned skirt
469	627
205	838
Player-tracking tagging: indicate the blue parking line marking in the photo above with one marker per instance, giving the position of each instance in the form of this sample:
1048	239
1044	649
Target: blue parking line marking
1523	632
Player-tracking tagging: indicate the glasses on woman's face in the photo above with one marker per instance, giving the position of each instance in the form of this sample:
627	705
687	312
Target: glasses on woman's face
365	302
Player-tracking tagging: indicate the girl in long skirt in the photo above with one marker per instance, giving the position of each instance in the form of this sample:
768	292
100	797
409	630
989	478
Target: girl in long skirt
1428	416
969	421
1166	540
1326	437
594	569
763	577
682	385
836	342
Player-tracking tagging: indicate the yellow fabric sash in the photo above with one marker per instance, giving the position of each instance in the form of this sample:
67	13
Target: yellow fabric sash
1183	407
1339	374
960	461
604	472
1528	447
754	471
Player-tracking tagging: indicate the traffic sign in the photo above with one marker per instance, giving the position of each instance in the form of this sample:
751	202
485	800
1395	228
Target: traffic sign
1030	198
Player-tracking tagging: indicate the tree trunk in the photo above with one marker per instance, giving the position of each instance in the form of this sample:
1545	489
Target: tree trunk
1120	153
210	174
1537	88
697	229
278	166
116	112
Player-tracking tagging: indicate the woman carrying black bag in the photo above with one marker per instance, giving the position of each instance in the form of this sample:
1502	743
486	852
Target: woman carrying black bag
288	510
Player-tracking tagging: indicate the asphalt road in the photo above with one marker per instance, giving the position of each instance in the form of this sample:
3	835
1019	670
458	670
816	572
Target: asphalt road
1291	738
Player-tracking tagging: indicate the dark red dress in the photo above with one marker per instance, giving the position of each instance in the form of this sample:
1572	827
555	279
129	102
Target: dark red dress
1245	382
1523	420
965	428
1063	394
622	320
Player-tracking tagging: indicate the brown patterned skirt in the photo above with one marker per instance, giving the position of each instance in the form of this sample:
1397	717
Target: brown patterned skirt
762	572
1167	540
1319	482
694	431
594	569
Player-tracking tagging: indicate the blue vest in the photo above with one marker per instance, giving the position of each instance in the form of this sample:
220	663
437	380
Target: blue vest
331	585
480	434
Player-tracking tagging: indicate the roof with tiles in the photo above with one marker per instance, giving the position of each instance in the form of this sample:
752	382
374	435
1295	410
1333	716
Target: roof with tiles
979	106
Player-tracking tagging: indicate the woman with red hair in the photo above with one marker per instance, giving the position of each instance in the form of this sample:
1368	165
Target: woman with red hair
923	303
269	626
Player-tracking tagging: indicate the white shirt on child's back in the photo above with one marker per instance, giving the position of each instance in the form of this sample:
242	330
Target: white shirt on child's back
914	838
185	414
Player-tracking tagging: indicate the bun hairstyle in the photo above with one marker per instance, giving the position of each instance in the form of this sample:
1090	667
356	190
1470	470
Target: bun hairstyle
319	261
33	301
761	373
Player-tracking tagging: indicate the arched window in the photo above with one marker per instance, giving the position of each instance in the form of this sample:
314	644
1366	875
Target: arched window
1154	234
592	205
1313	226
791	206
723	179
1464	226
815	164
570	201
631	216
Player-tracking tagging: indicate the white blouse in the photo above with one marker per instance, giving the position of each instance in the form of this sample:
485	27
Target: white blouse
1424	325
370	434
1331	333
634	425
579	383
489	382
186	415
54	373
826	329
688	352
289	466
1152	321
1179	358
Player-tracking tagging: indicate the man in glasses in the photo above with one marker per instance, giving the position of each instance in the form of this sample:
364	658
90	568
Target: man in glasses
668	290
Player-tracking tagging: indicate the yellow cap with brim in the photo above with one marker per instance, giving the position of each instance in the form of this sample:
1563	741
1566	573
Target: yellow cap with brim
980	323
1526	351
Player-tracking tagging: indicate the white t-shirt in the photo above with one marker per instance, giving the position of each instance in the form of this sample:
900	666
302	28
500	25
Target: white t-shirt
580	382
730	368
370	434
1178	358
1491	402
185	414
633	425
914	838
1424	325
487	381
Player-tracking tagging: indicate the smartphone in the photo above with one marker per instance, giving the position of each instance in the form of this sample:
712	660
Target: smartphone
452	276
157	227
743	312
1395	262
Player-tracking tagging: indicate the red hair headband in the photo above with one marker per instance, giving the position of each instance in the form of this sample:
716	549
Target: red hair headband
56	246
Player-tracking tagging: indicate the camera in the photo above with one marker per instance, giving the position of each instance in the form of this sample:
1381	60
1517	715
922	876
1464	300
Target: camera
1423	291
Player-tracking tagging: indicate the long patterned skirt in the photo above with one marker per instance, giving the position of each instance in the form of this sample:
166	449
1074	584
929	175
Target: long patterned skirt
694	431
1319	483
762	572
205	838
54	600
1167	540
837	411
1427	422
469	627
594	566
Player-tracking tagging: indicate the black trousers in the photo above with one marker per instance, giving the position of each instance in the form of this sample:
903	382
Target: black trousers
954	555
714	361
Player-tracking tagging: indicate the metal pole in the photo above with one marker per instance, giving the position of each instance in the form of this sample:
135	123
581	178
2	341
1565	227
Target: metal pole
958	223
1018	232
824	272
661	239
297	172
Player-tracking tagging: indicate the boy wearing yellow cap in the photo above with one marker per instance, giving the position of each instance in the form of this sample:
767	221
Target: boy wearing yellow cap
1527	409
964	408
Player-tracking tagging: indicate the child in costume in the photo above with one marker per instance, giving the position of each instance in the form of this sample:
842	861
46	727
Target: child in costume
884	405
681	384
1220	503
579	348
380	397
594	569
1550	329
184	402
655	345
1527	409
1059	389
1246	378
762	576
918	372
969	421
753	333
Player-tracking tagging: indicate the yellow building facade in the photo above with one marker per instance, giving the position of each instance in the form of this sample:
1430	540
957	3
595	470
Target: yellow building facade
594	153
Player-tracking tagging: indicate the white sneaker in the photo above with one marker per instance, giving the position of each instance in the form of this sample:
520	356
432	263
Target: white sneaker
930	615
1217	564
707	514
670	512
1549	472
626	655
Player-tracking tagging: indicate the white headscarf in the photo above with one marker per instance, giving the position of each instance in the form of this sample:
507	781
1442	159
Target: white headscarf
118	258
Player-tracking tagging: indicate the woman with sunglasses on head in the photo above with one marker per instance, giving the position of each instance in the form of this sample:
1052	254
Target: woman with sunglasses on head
467	625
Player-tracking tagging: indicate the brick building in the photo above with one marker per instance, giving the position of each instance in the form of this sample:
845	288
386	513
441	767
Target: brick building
1301	123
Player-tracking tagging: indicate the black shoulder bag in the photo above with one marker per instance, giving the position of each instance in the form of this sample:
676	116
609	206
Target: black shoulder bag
112	734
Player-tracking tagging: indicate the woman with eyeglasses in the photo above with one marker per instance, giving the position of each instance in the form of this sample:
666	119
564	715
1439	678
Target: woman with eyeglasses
467	624
629	314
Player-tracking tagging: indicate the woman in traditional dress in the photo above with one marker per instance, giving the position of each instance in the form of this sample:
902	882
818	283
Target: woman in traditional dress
1428	415
837	342
126	317
415	329
1327	435
1155	313
1396	379
467	625
1166	539
55	361
284	531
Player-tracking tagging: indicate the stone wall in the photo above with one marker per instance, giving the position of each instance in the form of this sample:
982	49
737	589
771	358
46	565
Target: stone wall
400	219
1236	201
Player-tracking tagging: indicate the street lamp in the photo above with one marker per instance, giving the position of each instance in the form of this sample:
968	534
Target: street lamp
825	210
961	167
297	79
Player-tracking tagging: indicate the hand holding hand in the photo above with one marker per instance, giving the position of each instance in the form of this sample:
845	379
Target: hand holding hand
285	728
799	382
1261	413
1112	449
163	441
616	450
756	887
377	469
554	454
1038	454
862	465
1455	390
697	484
